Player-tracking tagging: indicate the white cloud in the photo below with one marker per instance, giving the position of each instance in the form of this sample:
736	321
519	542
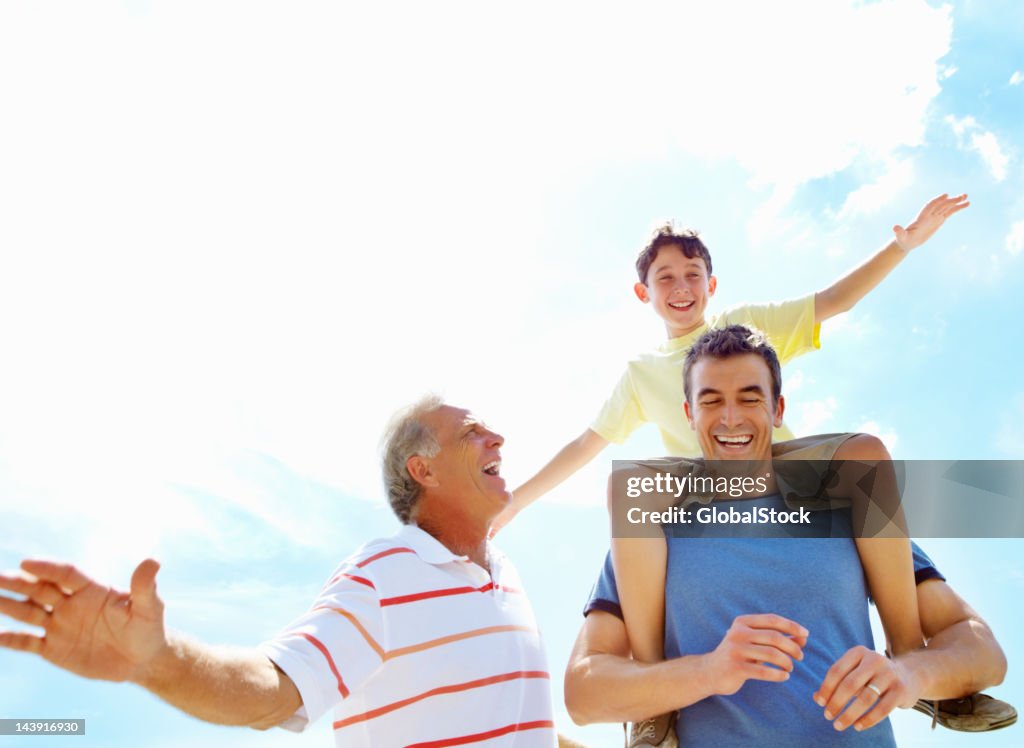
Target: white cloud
887	435
813	415
269	242
882	192
1016	78
1015	239
948	71
983	142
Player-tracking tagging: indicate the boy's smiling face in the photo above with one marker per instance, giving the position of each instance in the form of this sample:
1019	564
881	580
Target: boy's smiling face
679	288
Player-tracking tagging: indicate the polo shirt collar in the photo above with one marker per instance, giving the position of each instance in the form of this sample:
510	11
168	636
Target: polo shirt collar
426	546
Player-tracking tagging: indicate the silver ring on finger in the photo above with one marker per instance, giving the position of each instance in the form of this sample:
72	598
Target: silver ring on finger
876	689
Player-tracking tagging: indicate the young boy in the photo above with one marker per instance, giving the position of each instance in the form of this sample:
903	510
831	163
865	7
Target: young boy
675	278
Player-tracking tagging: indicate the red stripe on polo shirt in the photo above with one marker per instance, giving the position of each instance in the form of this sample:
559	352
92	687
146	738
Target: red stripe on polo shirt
480	736
382	554
354	578
330	661
445	592
451	638
455	688
359	627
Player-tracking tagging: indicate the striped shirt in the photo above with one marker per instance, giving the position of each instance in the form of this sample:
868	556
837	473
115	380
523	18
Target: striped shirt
415	646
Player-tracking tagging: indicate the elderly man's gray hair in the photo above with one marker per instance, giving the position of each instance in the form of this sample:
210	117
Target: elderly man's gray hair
406	436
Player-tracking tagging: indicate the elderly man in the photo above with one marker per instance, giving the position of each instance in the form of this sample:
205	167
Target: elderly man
767	640
423	638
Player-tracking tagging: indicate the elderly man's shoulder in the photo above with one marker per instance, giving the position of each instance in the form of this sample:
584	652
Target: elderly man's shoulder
374	559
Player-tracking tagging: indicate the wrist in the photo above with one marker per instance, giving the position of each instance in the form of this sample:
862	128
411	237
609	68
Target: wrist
707	676
913	677
898	249
160	666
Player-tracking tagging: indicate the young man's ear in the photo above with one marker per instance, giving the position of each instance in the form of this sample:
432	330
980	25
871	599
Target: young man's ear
780	407
712	285
640	289
689	415
420	470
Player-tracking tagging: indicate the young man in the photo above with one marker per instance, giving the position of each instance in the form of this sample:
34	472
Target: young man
675	278
768	640
424	636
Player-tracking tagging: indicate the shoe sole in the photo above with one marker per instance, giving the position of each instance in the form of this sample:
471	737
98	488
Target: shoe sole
926	708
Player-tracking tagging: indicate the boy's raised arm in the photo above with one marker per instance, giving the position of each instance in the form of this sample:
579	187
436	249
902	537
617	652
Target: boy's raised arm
844	294
569	459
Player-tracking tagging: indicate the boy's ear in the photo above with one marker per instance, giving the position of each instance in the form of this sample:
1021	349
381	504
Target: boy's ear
640	289
712	285
420	470
689	415
780	407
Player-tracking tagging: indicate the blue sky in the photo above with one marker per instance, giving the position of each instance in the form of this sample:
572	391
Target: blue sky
236	236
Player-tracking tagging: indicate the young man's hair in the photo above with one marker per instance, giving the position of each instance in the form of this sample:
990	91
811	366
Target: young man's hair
733	340
406	436
686	240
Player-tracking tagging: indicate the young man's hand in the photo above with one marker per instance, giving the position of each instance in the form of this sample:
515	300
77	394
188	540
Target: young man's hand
869	685
89	629
928	221
749	649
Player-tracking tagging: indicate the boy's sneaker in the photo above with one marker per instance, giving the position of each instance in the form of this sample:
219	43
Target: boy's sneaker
975	713
657	732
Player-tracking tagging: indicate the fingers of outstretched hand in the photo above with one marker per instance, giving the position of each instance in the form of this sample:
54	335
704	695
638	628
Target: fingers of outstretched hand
944	206
43	593
21	641
954	205
25	611
65	576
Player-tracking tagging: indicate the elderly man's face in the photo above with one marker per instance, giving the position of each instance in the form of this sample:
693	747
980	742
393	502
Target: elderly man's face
732	410
469	463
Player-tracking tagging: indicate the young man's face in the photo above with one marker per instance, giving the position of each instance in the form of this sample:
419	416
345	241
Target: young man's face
679	288
731	409
468	465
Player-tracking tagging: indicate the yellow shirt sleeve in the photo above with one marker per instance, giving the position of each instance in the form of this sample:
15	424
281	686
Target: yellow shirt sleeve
789	325
621	414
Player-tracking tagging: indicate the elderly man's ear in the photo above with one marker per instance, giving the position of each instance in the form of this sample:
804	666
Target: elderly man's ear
421	471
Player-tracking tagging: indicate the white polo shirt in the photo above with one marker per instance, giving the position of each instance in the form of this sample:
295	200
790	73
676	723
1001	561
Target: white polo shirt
415	646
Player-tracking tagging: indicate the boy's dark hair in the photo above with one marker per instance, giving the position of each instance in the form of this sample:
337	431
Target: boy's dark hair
688	241
734	340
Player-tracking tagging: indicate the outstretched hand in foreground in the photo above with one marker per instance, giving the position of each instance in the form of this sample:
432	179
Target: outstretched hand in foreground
88	628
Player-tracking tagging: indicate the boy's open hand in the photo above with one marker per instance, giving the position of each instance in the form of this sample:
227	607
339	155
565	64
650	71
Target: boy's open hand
928	221
89	629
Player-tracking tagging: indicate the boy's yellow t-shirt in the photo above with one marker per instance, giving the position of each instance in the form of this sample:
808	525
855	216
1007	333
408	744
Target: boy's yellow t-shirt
651	389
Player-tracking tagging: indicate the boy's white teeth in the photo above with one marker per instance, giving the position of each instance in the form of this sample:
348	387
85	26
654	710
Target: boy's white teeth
492	468
680	304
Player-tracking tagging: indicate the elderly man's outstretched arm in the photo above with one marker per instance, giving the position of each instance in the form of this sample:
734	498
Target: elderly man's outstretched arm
102	633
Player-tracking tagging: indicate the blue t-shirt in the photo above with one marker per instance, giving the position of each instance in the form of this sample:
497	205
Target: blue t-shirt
817	582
